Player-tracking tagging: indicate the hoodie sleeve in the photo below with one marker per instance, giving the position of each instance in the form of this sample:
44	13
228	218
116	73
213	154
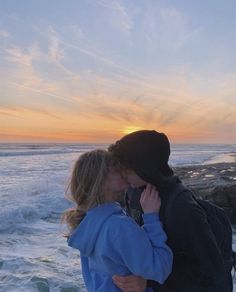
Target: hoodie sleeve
143	249
86	271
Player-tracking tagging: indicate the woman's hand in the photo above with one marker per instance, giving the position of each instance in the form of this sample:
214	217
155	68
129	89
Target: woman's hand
130	283
150	200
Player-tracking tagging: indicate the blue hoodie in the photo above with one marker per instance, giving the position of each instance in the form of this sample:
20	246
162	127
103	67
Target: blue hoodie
111	243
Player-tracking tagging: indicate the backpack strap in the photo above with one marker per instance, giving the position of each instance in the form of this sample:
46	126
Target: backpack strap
179	188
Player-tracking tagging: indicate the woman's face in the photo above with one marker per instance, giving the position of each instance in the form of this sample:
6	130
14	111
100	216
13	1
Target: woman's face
115	185
133	179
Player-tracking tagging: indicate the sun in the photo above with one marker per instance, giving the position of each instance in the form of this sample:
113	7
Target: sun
131	129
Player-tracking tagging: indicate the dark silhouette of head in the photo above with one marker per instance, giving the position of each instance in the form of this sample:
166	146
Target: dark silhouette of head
147	153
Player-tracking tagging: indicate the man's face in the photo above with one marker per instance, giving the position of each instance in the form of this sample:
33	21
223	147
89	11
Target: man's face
133	179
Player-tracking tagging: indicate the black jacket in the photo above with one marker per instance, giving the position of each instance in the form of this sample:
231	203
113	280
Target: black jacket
198	264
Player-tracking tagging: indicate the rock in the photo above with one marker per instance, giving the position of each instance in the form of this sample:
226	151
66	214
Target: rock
216	183
225	197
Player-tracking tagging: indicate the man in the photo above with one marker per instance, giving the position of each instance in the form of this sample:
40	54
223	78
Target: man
198	263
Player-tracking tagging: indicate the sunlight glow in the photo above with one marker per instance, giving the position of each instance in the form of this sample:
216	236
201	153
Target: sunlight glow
130	129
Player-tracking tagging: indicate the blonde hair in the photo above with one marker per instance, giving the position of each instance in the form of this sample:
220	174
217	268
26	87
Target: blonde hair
86	184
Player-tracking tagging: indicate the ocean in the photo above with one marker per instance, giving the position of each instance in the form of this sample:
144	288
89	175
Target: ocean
33	178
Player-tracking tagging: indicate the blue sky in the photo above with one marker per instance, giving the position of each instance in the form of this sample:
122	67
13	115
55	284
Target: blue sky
94	70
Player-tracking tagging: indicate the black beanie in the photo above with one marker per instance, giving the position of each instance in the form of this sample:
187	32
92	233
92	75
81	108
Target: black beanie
146	152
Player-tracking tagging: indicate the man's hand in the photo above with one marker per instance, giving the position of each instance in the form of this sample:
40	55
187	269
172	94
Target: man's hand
130	283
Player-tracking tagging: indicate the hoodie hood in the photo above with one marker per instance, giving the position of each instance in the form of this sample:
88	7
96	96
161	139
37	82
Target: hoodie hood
84	236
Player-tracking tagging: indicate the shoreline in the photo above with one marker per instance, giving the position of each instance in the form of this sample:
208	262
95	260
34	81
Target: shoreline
229	157
215	182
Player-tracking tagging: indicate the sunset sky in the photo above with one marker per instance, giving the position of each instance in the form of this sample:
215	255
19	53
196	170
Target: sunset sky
94	70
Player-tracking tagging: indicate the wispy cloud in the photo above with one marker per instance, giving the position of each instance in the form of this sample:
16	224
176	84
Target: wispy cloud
9	114
21	111
97	56
25	73
15	55
57	54
119	16
4	33
166	27
43	91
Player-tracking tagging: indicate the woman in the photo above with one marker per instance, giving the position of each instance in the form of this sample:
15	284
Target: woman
105	235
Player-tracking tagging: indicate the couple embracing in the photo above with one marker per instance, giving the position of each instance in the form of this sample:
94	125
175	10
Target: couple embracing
137	227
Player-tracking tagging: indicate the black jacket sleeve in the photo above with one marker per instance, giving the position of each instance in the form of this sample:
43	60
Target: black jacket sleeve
205	263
